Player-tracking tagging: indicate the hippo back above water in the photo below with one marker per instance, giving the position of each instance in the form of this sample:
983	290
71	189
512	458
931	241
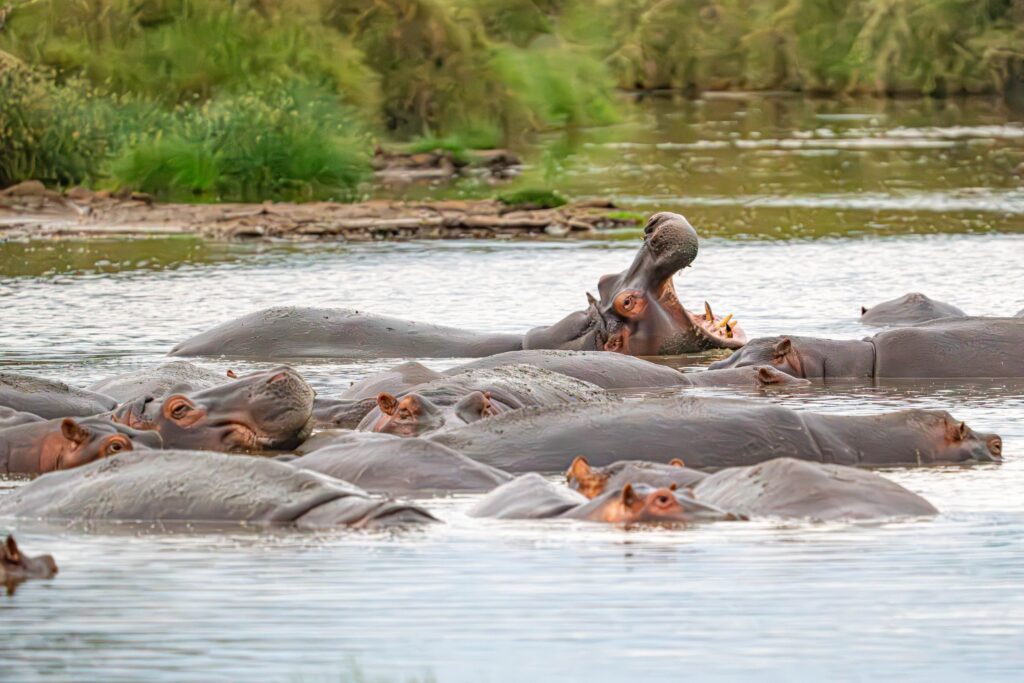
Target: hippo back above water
176	377
908	309
49	399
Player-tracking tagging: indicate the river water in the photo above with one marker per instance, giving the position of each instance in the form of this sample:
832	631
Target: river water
809	210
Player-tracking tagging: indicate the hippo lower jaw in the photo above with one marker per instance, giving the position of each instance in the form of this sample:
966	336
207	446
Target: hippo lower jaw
712	332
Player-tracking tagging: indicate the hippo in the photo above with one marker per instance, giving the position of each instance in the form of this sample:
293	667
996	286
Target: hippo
616	371
638	312
473	395
268	410
12	418
593	481
396	380
17	567
790	488
1020	313
381	463
531	496
712	433
176	377
201	486
45	446
907	310
946	348
49	399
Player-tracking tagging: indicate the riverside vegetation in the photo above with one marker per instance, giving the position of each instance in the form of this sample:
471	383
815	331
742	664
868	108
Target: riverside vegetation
214	100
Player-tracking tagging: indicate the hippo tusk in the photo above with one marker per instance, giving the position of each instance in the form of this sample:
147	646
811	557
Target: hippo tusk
708	315
724	322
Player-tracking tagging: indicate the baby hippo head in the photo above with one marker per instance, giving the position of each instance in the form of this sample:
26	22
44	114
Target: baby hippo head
641	504
269	410
592	481
415	414
73	442
15	566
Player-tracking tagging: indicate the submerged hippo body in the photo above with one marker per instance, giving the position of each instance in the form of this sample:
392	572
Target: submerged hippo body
791	488
271	410
474	395
199	486
353	404
290	333
387	464
12	418
16	566
712	433
45	446
908	309
947	348
593	481
49	399
176	377
638	312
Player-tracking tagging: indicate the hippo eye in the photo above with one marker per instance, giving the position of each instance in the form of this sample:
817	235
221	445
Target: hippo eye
115	445
404	414
179	411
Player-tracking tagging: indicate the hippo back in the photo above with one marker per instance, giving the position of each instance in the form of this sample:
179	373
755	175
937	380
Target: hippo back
600	368
49	399
529	496
954	347
175	377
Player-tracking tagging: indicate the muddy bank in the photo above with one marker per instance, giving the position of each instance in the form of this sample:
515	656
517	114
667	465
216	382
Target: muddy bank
29	210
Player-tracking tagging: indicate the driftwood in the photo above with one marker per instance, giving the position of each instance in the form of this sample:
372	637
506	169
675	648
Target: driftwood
31	210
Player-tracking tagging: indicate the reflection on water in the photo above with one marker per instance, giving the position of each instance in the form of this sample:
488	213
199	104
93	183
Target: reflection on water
474	600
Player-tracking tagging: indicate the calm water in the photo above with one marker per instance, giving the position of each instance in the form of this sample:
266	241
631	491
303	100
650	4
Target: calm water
474	600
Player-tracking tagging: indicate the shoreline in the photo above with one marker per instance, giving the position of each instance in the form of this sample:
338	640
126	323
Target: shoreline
31	211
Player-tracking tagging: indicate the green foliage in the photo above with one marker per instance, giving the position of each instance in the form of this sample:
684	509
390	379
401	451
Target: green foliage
533	197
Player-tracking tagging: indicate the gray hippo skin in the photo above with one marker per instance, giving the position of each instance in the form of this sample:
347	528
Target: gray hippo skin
618	371
712	433
175	377
593	481
291	333
12	418
49	399
261	411
947	348
790	488
17	567
47	445
1020	313
908	309
529	496
381	463
199	486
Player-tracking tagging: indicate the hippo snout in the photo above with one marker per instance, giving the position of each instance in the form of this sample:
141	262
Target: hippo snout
994	445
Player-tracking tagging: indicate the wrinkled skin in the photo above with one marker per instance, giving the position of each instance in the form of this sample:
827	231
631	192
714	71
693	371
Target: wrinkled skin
49	399
947	348
12	418
593	481
349	409
642	504
16	566
258	412
471	396
712	433
40	447
638	312
790	488
385	464
175	377
199	486
288	333
908	309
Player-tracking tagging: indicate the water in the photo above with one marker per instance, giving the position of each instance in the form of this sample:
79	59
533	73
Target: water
474	600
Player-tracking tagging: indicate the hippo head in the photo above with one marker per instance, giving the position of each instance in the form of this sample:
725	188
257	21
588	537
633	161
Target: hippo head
953	441
16	567
415	414
73	442
591	481
641	504
270	410
638	312
797	356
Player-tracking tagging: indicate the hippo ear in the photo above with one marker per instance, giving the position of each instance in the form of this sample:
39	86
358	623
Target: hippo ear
677	462
232	374
580	469
11	552
591	301
73	432
629	496
783	347
673	487
766	376
863	310
387	403
962	431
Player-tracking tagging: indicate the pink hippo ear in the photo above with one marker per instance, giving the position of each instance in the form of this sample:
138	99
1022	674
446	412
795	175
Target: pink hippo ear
783	347
11	552
629	497
677	462
766	376
73	432
579	469
387	403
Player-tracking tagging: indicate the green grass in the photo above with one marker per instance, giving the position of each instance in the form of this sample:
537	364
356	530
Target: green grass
532	197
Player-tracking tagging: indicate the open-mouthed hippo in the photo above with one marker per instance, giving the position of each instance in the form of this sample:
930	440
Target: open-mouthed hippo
638	312
908	309
381	463
712	433
12	418
45	446
199	486
474	395
531	496
616	371
269	410
49	399
783	487
16	566
948	348
175	377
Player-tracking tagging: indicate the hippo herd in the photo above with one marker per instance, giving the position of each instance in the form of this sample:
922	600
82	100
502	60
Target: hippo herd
565	421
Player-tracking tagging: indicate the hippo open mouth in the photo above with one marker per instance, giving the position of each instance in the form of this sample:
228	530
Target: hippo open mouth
638	311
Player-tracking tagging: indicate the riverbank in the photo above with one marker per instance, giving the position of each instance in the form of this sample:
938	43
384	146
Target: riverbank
31	211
